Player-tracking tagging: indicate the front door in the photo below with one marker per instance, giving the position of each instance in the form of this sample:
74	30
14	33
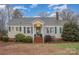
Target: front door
38	36
38	30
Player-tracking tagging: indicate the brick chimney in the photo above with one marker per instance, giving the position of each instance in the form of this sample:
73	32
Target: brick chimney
57	15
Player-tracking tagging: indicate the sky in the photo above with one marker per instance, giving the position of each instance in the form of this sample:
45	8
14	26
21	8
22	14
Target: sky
35	9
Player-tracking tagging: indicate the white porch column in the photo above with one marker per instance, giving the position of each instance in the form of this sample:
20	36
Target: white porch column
43	33
33	33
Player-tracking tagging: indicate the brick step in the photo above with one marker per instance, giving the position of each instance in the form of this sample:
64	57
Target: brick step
38	39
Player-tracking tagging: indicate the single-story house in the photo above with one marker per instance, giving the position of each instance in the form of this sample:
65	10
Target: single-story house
34	25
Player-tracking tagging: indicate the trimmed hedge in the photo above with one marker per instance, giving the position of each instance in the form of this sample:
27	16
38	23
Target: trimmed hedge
47	38
23	38
19	37
28	39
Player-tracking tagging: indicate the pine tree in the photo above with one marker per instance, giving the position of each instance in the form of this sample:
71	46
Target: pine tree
70	31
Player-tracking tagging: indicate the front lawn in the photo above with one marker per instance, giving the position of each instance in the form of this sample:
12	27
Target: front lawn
68	45
39	49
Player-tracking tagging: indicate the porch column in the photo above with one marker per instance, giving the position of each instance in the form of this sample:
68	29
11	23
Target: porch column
43	32
33	33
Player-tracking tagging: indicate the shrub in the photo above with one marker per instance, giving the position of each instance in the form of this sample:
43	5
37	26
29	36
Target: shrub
47	38
70	32
1	34
5	38
23	38
19	37
28	39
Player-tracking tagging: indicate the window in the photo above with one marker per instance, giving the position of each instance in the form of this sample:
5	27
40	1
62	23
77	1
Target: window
47	29
12	28
28	29
51	29
55	30
17	28
9	28
20	29
24	29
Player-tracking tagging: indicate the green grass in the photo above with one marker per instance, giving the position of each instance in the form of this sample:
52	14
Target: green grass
68	45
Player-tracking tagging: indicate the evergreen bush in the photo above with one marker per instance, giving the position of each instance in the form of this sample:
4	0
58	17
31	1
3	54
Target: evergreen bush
70	31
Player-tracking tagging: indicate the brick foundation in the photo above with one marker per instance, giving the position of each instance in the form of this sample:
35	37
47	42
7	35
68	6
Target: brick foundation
57	39
36	39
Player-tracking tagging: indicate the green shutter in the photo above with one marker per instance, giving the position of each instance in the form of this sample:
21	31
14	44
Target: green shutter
9	28
24	29
28	29
60	29
55	30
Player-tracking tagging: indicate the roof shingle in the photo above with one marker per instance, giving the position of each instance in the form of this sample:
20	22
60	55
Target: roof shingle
27	21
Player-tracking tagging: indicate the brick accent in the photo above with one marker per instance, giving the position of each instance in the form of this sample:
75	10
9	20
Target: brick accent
38	39
57	38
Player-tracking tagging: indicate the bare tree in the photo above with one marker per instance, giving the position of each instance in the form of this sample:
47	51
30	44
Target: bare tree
17	14
2	21
67	14
4	17
8	12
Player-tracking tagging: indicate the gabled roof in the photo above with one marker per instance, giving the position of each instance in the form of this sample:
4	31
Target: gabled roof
27	21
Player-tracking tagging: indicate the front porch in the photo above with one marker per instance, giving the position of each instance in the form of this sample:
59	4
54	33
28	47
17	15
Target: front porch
38	31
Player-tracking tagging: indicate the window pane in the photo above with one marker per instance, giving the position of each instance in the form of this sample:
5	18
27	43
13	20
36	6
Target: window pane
12	28
28	29
20	29
16	28
52	30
